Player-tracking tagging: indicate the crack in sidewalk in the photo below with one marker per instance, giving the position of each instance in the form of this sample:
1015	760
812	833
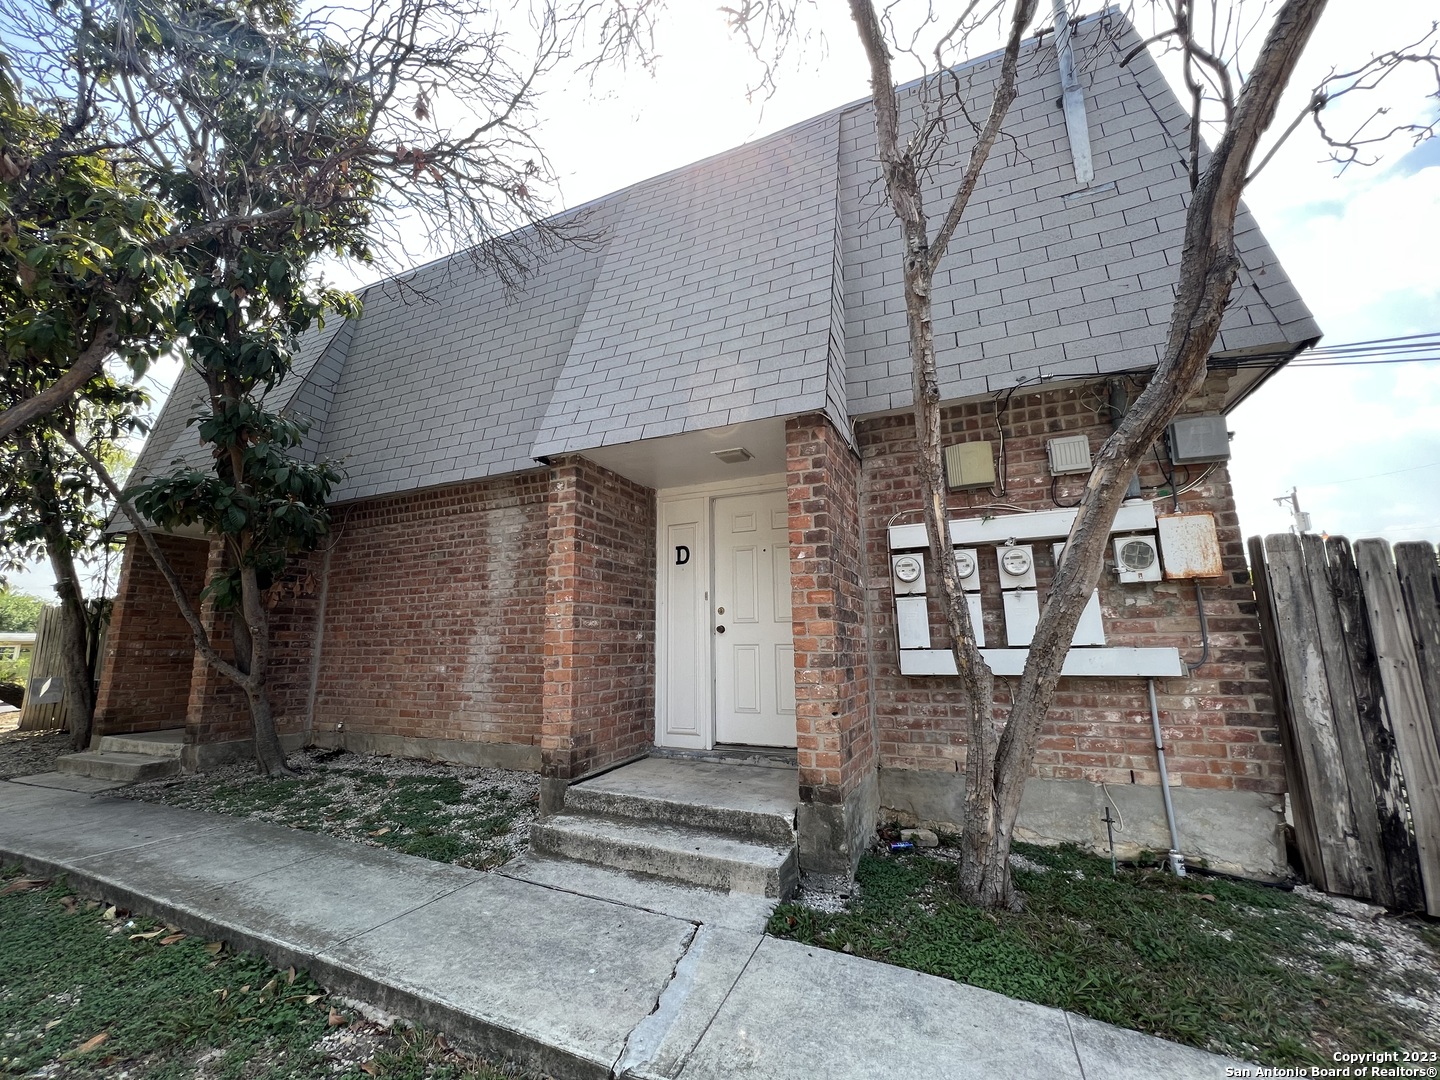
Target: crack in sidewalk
644	1039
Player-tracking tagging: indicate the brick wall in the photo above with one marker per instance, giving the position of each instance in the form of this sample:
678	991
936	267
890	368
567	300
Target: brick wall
599	693
217	710
146	680
433	616
835	734
1219	725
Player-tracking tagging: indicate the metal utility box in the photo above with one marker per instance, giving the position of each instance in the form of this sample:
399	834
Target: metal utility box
912	622
1017	566
1136	559
1189	546
967	565
1198	439
1068	454
907	573
969	465
1022	613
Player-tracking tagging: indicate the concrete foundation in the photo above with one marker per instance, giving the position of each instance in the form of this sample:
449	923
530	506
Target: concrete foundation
833	836
484	755
1237	832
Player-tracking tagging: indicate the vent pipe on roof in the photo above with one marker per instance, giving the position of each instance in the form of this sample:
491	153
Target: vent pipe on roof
1075	123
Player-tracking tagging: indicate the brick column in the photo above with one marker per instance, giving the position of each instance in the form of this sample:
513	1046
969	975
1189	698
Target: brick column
145	678
599	690
835	731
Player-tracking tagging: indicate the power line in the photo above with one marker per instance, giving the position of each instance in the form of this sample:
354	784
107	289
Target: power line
1373	476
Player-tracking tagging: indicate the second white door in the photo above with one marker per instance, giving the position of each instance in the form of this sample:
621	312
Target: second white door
753	643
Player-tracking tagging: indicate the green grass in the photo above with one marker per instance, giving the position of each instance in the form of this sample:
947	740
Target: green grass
68	974
1226	966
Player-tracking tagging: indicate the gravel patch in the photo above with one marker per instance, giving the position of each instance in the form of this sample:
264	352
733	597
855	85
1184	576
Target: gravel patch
472	817
24	753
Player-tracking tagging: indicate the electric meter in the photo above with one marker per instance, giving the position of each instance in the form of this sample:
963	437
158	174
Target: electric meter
1017	566
1136	559
907	568
965	563
1016	562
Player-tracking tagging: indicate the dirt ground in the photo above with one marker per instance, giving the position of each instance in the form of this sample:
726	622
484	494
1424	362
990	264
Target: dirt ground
24	753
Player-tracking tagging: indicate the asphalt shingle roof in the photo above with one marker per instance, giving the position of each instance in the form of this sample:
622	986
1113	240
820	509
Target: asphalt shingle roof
765	282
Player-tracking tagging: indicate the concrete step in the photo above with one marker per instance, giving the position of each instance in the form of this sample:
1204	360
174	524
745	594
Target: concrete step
674	852
130	768
760	825
167	743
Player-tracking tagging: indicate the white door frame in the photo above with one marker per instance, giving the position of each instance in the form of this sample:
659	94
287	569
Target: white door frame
690	699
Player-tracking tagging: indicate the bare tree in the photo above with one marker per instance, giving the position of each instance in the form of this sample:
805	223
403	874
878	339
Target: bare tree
1234	92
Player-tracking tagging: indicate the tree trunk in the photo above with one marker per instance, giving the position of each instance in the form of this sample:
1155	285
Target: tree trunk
1208	268
79	689
74	652
255	635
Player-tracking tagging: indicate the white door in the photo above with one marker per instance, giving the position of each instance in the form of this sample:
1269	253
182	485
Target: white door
753	642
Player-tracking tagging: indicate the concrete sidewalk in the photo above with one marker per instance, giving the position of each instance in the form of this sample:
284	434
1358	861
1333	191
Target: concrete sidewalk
568	970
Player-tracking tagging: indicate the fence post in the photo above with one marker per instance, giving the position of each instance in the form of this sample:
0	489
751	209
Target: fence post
1353	759
1404	695
1420	587
1320	758
1402	859
1306	839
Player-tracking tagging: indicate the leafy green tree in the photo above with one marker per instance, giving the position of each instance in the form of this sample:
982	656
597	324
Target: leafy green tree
19	612
55	506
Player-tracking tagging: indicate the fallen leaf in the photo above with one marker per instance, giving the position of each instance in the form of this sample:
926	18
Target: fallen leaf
310	999
172	939
290	977
147	937
370	1068
336	1019
69	903
92	1043
224	992
268	990
109	914
847	948
22	885
245	989
51	1024
91	905
214	947
1207	896
381	832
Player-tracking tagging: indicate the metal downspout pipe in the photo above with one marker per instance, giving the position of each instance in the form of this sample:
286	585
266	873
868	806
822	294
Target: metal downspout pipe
1177	861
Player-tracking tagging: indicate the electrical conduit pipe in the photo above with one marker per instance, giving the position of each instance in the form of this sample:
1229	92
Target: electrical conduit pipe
1177	861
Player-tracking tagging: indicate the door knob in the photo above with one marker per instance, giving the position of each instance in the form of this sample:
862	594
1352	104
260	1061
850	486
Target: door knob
719	629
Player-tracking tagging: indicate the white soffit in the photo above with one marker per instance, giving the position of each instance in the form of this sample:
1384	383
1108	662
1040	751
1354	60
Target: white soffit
678	461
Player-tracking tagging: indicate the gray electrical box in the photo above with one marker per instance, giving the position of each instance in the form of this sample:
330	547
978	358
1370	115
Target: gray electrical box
1198	438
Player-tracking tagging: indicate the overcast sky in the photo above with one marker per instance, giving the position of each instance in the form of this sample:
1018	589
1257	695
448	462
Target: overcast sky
1361	445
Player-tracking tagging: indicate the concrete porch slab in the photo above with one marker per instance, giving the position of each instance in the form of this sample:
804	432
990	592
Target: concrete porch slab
746	788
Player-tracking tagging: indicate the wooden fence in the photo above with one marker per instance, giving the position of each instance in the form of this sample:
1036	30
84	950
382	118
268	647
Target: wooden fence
44	707
1353	639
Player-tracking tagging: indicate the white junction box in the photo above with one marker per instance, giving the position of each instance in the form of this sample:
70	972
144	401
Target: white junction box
912	622
1137	559
1022	613
1090	630
907	574
1189	545
1017	566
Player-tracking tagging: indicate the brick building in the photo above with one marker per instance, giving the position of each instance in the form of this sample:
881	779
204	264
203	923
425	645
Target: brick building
652	504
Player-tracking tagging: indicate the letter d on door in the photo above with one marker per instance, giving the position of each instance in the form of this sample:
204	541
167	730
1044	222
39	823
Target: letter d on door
682	555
